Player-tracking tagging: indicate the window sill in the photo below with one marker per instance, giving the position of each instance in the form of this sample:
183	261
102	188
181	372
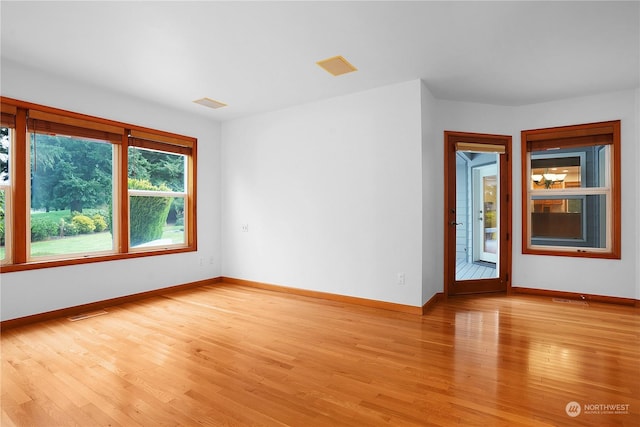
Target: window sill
577	253
34	265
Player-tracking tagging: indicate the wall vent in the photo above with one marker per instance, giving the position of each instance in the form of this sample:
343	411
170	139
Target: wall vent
569	301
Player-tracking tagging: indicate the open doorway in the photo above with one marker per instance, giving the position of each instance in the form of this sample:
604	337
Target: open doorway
477	215
477	212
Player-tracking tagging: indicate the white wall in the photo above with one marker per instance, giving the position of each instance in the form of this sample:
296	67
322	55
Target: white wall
432	198
593	276
331	193
620	278
340	196
35	291
637	194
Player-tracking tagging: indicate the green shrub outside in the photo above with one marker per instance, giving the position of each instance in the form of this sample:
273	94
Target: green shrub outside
99	222
84	223
69	228
42	229
46	227
148	215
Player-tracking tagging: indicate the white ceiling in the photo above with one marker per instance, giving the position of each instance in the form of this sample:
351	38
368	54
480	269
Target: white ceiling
261	56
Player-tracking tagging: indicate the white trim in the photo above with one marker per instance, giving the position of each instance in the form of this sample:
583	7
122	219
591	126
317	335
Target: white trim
558	193
152	193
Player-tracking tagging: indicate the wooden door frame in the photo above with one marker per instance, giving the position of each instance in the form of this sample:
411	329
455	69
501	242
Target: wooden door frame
451	138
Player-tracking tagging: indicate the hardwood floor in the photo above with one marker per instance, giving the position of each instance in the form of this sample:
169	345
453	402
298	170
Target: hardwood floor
237	356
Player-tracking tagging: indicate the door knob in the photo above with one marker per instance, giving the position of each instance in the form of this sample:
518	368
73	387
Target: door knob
455	223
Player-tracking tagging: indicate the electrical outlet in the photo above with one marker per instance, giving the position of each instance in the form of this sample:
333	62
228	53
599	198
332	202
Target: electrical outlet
211	260
245	228
400	279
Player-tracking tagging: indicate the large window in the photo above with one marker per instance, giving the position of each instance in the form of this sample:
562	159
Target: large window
77	189
571	194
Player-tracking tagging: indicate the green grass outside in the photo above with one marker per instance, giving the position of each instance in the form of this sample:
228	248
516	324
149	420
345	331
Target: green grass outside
86	243
82	243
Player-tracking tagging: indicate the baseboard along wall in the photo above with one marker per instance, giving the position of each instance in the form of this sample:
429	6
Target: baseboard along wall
577	296
100	305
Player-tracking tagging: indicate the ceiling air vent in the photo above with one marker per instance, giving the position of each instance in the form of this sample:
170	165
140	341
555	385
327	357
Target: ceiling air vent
211	103
336	65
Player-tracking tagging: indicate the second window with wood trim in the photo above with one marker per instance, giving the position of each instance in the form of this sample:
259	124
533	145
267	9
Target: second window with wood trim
571	190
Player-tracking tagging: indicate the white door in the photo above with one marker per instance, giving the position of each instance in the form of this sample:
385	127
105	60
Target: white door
486	210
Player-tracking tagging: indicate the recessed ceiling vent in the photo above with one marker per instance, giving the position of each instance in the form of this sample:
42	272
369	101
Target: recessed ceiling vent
336	65
211	103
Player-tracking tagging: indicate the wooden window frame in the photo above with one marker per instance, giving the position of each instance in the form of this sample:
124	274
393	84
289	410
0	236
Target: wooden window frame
600	133
24	115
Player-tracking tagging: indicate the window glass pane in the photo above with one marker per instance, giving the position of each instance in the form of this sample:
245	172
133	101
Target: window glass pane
577	167
71	195
5	145
156	221
3	229
158	168
579	221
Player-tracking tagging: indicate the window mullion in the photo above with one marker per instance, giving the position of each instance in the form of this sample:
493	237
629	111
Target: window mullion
190	200
20	184
153	193
123	194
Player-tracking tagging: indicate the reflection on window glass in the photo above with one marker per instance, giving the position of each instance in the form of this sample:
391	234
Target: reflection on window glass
563	209
576	221
579	167
555	173
71	196
157	185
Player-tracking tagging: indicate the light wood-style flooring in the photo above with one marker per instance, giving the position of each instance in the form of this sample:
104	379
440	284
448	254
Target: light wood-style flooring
229	355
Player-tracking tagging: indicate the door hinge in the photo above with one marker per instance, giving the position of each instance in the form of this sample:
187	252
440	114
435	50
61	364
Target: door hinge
507	197
507	237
